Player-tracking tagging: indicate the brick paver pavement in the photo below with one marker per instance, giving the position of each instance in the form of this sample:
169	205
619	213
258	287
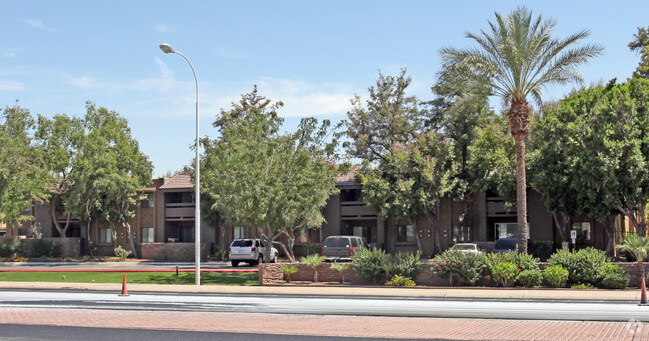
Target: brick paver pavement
335	326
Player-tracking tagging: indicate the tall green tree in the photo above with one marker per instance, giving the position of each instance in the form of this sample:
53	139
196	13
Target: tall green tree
517	58
123	171
109	173
411	180
21	166
60	138
254	176
640	45
388	117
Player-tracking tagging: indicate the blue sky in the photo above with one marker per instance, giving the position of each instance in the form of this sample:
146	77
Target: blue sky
312	55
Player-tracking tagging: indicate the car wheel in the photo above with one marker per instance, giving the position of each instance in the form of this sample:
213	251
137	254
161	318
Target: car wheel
235	263
274	259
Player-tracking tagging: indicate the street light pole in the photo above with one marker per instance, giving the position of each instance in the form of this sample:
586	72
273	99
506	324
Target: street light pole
166	48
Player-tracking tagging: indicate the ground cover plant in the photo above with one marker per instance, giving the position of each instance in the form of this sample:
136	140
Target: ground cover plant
208	278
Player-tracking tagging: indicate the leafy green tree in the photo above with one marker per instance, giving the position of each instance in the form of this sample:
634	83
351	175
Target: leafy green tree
411	180
123	170
491	163
277	183
60	138
388	117
517	58
640	45
597	163
22	175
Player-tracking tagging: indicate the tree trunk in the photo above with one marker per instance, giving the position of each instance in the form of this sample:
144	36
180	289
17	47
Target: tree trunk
414	223
521	192
57	225
127	226
562	225
113	232
519	119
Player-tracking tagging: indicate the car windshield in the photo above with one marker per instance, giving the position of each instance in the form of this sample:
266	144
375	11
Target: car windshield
507	243
336	242
464	247
242	243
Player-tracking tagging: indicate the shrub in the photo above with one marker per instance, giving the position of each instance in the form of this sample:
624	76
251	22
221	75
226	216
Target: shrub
556	276
400	281
313	260
121	252
407	264
465	266
614	277
289	270
522	260
584	266
43	248
369	263
10	247
341	270
505	273
529	278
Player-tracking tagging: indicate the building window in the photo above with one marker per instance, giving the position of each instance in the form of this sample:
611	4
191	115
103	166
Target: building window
405	233
583	231
147	202
506	230
105	235
239	232
461	233
147	235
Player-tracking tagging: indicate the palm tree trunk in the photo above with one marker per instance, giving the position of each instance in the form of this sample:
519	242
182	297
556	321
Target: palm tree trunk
521	192
519	120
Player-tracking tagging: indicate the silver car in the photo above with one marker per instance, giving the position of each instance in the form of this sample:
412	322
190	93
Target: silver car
342	248
250	251
466	247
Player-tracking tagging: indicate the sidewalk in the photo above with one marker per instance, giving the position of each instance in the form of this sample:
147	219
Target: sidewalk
428	292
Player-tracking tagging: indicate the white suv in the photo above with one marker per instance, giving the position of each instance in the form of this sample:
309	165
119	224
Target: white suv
250	251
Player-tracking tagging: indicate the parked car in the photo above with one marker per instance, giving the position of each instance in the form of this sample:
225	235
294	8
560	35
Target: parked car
505	245
466	247
250	251
341	248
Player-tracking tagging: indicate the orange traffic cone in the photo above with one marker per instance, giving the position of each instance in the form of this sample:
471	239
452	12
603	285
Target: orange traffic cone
124	292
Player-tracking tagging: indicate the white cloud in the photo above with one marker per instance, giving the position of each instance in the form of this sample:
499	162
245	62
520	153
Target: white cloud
10	52
6	85
307	99
37	24
225	52
164	28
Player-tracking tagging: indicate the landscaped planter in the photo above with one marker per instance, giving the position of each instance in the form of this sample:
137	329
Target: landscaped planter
271	274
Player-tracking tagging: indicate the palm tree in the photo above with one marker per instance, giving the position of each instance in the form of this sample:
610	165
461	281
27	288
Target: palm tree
516	59
638	246
313	260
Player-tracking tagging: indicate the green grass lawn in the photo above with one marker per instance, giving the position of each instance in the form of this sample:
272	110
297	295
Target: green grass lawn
216	278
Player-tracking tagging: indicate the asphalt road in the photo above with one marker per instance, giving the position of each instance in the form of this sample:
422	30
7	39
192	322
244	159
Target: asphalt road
65	333
318	305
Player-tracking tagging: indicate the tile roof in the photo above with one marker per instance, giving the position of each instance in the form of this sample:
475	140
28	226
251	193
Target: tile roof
179	181
347	179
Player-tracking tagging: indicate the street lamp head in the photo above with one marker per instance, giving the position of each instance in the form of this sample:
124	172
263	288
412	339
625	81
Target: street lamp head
166	48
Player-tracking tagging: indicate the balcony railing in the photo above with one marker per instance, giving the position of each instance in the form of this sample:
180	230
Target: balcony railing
180	211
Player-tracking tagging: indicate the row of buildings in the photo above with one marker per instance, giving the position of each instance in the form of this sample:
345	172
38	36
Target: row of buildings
164	225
